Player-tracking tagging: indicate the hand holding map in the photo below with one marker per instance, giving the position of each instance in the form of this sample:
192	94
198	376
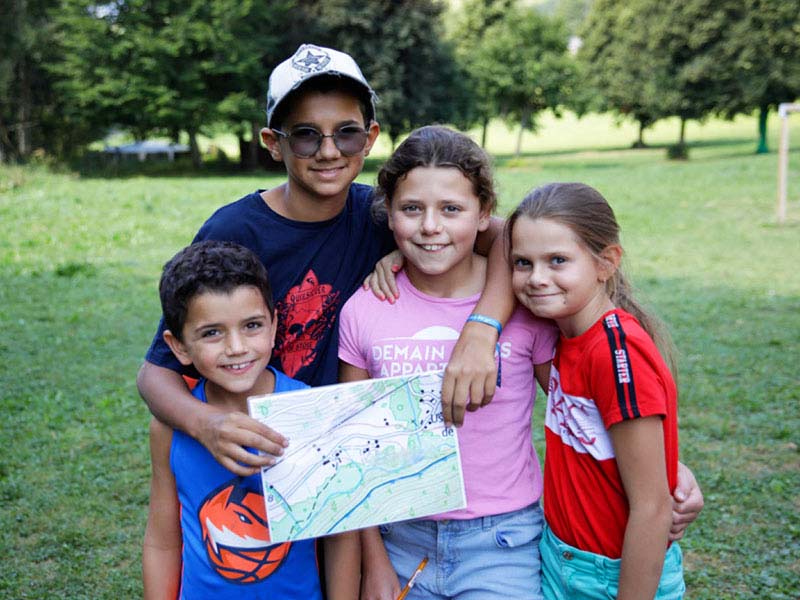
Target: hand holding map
360	454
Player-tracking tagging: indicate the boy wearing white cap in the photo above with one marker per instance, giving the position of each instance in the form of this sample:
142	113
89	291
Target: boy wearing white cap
315	235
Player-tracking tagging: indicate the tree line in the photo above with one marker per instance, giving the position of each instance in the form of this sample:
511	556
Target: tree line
70	70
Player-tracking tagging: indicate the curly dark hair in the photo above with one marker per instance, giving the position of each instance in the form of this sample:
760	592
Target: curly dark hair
436	146
209	266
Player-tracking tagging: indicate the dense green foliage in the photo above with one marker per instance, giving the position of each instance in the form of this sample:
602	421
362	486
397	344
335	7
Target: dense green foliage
73	70
468	32
618	71
29	109
166	66
79	265
648	59
507	82
767	57
401	49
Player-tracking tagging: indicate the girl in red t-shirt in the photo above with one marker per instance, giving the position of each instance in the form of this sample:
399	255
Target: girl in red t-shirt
611	419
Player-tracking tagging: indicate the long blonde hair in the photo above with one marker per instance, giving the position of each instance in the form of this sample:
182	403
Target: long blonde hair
587	213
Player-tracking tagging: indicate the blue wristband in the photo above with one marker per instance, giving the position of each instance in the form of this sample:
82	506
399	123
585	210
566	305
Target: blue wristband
486	321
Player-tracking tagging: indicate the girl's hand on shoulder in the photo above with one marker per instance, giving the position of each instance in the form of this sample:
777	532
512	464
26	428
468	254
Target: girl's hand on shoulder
382	280
226	434
470	378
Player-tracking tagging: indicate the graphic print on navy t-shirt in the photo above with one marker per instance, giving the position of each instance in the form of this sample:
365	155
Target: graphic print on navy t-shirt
304	315
233	521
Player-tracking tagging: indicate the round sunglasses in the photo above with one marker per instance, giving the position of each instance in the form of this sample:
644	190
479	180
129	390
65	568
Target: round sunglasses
306	141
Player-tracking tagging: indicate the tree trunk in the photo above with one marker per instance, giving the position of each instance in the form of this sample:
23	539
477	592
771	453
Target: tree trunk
6	147
763	113
248	149
639	143
24	110
484	132
683	132
244	152
523	123
194	149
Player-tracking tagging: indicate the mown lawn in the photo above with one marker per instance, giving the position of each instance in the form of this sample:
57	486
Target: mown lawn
79	263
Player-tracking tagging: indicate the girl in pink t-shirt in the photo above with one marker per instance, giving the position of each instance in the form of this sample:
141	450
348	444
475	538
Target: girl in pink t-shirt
437	191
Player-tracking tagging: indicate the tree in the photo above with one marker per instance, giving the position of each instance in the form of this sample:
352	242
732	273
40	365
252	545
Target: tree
472	21
30	111
765	45
620	71
649	58
166	66
400	48
527	68
691	37
573	13
248	46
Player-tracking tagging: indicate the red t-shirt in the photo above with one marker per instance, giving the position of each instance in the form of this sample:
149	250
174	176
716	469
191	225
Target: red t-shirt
610	373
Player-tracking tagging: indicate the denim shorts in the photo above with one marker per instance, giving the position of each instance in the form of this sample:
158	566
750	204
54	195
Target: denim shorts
568	572
474	559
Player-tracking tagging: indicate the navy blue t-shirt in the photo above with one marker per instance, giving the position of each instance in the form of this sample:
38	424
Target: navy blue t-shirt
313	269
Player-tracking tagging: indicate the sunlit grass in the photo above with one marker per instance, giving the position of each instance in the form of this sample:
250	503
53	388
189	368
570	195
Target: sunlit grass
79	264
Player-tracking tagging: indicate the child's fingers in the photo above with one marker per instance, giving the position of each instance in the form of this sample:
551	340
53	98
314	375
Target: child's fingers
380	283
483	387
386	282
390	280
447	400
372	282
232	432
676	531
459	400
228	461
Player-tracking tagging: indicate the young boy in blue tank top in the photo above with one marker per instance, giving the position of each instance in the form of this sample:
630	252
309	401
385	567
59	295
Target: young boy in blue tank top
207	533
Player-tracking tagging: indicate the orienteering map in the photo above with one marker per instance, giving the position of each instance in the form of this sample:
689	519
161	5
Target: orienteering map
360	454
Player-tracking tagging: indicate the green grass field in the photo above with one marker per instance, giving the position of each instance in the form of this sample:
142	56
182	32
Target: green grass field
79	263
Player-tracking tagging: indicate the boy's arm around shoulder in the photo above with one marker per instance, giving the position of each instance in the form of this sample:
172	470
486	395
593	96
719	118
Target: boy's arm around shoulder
471	374
224	434
161	552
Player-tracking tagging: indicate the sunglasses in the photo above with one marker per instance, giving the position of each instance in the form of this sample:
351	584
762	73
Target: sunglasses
306	141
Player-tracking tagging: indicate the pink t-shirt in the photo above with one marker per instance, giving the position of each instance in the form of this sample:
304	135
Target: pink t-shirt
417	334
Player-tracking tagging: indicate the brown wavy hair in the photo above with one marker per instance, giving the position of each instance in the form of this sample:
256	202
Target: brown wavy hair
436	146
587	213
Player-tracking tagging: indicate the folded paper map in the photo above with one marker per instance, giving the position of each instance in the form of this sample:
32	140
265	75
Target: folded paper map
360	454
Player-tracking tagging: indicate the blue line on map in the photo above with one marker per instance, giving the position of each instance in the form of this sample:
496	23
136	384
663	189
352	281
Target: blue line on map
417	474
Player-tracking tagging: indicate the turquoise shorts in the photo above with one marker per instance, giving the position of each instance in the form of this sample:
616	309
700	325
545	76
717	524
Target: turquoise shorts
568	572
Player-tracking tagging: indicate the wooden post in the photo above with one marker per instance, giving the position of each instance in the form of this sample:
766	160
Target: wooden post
783	165
783	158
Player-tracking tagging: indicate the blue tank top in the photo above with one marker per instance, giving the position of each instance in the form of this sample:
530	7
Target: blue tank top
226	549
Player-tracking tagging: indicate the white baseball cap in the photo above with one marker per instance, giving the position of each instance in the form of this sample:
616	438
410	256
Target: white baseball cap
311	61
